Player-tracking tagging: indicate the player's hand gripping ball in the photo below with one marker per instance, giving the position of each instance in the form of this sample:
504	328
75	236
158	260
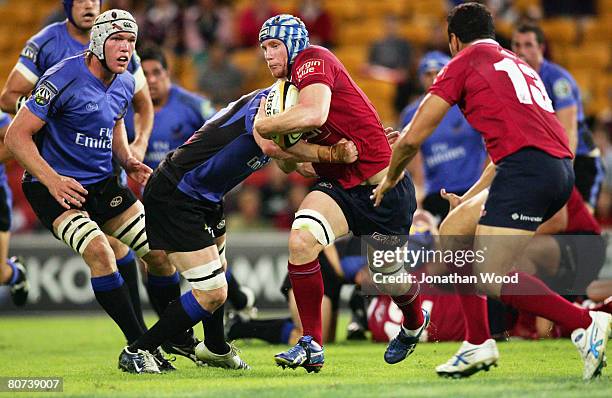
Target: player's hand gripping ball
281	97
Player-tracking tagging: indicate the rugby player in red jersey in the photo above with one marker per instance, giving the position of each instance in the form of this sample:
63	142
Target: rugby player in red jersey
530	180
332	105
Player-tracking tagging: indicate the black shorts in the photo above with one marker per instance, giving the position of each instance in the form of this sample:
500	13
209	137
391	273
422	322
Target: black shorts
332	283
104	200
6	203
177	222
529	187
388	223
582	257
590	174
437	205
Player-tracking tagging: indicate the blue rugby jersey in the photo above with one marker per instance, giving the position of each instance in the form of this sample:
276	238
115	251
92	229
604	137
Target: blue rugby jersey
219	156
5	120
563	92
80	113
174	123
453	156
53	44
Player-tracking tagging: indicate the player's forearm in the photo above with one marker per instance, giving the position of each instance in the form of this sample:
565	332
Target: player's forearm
287	166
304	152
21	145
299	119
483	182
404	151
144	115
121	149
9	99
15	92
568	117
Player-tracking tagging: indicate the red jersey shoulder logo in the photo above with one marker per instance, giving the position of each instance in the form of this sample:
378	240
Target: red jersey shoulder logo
311	67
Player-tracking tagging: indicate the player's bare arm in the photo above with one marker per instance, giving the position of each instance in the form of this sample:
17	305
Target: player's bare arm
19	141
15	91
568	117
5	154
134	168
310	113
428	116
143	121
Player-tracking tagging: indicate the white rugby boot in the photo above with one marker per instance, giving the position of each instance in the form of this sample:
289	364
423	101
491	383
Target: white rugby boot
470	358
591	343
231	360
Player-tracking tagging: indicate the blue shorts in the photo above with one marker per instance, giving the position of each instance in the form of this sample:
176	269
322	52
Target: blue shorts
389	223
529	187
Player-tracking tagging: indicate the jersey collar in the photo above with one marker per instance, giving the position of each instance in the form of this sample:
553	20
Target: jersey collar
485	41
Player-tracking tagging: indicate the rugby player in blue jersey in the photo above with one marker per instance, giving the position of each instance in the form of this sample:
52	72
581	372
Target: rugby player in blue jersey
12	271
528	42
48	47
454	145
184	206
65	137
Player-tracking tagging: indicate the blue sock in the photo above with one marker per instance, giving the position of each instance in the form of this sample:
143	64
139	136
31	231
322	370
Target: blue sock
288	327
161	281
16	272
128	258
228	275
193	308
107	282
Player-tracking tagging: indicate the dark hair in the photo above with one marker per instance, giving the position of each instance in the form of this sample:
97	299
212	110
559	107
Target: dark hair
153	53
471	21
530	27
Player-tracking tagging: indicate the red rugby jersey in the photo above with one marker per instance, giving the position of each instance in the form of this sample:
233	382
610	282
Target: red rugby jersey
503	98
351	116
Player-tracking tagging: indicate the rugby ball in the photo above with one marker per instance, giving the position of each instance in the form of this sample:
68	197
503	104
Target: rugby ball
281	97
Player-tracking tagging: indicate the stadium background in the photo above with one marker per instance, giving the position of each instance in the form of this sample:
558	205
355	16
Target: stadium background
212	49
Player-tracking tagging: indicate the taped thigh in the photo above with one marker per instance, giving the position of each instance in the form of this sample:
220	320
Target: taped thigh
209	276
221	248
77	231
133	234
314	222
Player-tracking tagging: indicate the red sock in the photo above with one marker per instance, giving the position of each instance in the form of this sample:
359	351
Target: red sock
476	318
307	284
410	304
532	295
473	307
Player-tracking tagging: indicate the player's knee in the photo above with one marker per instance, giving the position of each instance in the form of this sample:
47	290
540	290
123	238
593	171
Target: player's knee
301	241
119	249
492	290
208	284
158	262
78	231
99	257
211	300
396	284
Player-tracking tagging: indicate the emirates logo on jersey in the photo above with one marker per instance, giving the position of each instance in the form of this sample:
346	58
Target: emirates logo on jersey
310	67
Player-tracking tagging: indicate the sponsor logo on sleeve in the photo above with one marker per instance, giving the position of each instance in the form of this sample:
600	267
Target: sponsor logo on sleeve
45	92
30	51
562	88
310	67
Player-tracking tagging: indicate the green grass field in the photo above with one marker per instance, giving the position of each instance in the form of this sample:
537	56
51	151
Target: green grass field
84	351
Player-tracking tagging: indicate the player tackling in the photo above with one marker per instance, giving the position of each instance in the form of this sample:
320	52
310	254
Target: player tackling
531	179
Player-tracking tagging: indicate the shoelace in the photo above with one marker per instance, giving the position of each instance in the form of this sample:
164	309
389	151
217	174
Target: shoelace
148	360
234	352
161	359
